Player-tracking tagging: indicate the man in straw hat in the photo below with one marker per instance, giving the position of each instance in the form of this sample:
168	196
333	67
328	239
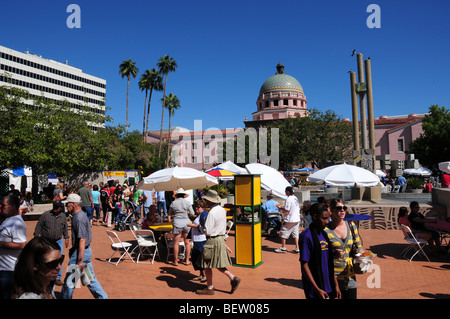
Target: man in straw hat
215	253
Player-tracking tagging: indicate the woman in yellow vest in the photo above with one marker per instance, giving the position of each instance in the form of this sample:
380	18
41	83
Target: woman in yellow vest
340	235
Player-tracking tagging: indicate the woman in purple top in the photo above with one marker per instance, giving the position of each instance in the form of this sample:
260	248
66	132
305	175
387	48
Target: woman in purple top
316	257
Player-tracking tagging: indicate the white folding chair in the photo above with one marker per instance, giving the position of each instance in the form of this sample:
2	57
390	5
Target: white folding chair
229	226
118	246
169	239
145	242
415	244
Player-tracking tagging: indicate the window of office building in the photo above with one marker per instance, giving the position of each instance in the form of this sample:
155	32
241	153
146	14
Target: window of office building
401	145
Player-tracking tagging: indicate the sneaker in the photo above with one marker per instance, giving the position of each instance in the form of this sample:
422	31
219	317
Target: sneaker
235	283
295	251
205	291
281	250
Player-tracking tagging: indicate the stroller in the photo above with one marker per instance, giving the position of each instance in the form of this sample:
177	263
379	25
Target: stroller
126	217
272	223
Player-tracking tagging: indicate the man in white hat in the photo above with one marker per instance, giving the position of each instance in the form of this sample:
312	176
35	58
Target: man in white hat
215	253
81	253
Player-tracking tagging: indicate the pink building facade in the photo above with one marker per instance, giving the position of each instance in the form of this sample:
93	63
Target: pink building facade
198	149
394	133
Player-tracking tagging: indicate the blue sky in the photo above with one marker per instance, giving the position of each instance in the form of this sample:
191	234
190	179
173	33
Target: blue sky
225	50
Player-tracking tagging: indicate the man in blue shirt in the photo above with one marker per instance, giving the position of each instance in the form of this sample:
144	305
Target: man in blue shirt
148	201
402	183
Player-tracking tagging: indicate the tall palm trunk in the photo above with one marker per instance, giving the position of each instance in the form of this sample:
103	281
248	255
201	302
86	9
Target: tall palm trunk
128	91
148	109
162	116
143	119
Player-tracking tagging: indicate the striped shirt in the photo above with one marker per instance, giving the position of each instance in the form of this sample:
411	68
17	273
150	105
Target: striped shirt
343	267
52	226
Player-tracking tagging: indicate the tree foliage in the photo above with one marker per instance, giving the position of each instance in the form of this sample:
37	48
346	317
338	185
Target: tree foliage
321	139
55	138
433	145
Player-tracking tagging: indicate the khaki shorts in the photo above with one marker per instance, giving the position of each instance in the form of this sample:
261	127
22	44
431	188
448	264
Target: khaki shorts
288	229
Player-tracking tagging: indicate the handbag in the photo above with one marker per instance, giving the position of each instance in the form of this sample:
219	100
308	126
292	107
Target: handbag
208	251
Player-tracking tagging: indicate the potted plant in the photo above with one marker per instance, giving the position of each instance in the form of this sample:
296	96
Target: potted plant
414	185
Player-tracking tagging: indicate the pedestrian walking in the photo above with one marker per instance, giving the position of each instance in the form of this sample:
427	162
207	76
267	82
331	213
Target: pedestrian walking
37	267
291	221
52	225
80	253
316	257
13	237
87	204
215	254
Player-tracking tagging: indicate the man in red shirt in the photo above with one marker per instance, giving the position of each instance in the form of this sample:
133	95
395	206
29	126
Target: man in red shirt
445	180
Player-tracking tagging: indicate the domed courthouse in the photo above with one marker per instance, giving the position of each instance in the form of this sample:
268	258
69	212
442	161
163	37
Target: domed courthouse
281	96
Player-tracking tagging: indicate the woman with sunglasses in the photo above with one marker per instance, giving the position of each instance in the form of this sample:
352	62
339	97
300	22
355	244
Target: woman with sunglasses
36	270
340	235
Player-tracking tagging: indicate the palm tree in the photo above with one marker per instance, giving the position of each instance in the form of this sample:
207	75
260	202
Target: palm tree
172	103
143	85
155	82
128	69
165	64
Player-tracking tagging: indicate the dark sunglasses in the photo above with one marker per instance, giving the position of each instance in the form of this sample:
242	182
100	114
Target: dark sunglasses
54	263
341	207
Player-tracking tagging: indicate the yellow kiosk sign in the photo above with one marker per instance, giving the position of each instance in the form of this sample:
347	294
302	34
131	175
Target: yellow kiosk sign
247	202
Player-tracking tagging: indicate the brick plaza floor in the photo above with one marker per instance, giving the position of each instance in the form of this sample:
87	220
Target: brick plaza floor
279	276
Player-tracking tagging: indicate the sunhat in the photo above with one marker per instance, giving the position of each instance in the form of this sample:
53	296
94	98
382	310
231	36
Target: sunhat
73	198
212	196
181	191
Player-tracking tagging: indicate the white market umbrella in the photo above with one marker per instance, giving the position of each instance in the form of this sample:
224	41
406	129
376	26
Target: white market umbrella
445	167
345	175
170	179
271	179
380	173
422	171
230	166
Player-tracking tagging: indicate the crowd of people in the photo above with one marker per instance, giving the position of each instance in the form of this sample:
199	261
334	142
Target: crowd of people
31	269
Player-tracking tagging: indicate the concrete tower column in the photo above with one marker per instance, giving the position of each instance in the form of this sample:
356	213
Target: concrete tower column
356	144
370	105
362	101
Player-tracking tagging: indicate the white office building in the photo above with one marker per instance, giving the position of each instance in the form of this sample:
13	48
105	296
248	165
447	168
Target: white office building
54	80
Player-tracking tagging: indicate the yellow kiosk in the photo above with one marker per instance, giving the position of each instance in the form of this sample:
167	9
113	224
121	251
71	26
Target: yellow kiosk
247	216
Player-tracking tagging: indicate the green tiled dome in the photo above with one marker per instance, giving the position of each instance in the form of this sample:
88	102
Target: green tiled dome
281	82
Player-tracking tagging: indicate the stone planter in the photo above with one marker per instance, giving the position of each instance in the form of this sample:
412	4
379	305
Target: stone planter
415	191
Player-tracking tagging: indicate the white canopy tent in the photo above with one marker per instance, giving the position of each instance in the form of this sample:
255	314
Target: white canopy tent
171	179
445	167
345	175
271	179
421	171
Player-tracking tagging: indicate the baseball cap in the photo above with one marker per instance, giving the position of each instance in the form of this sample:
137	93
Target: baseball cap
73	198
58	203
